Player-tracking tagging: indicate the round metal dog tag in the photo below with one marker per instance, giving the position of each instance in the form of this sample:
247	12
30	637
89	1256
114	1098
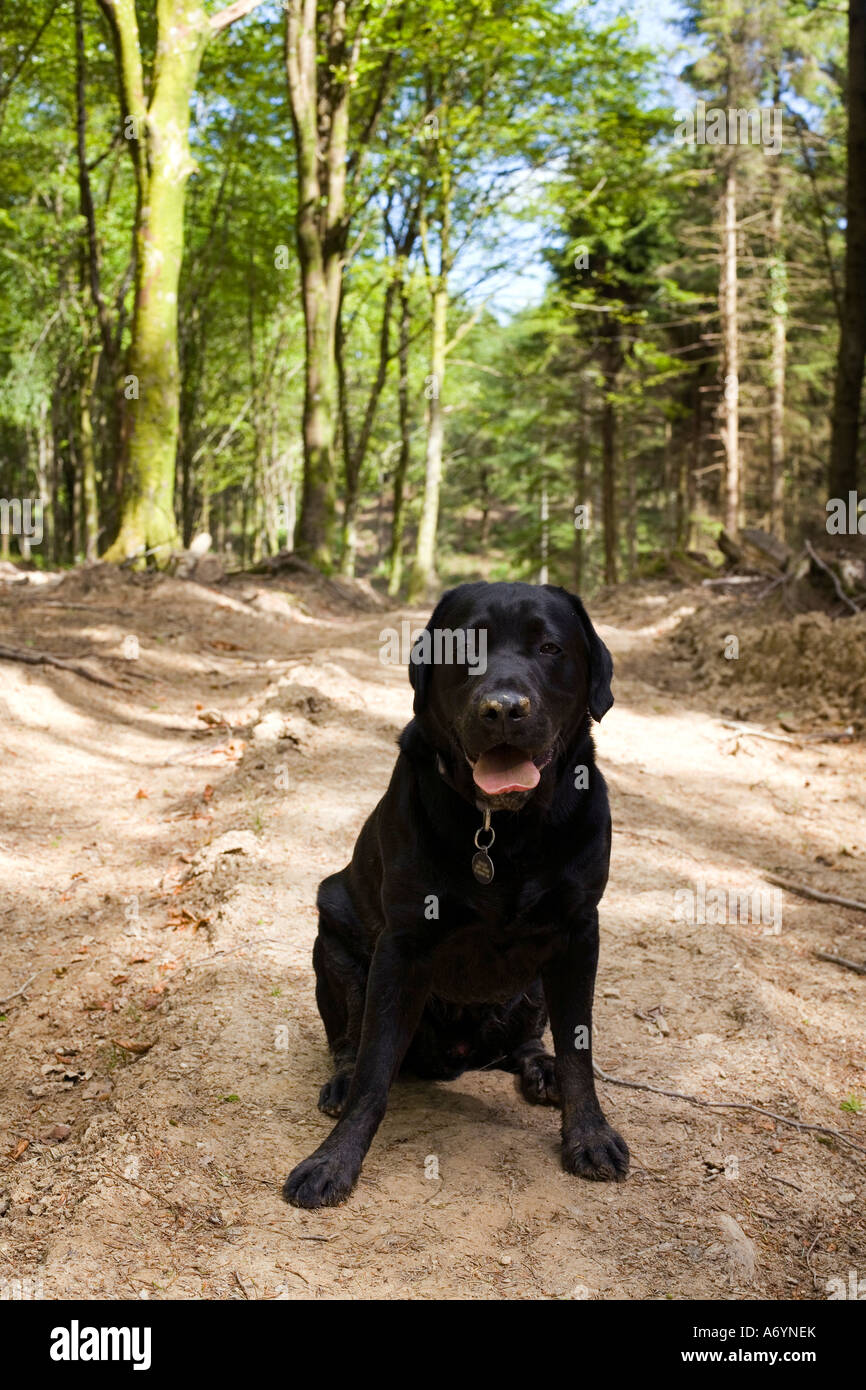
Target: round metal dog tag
482	866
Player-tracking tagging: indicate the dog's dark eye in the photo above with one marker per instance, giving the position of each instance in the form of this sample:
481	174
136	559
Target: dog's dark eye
550	649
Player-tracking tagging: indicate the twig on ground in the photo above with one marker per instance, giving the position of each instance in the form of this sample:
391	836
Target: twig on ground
218	955
804	891
784	1181
293	1235
61	603
840	960
809	1257
46	659
6	999
173	1207
193	757
834	736
836	585
754	732
728	1105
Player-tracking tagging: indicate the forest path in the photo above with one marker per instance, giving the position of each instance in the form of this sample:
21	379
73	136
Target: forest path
162	888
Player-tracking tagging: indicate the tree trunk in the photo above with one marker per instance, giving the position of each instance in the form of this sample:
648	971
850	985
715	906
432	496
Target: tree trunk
158	136
204	508
89	497
54	452
319	101
845	441
544	535
581	460
348	528
191	371
611	362
290	504
318	497
693	465
275	479
395	566
43	478
486	502
244	522
730	407
631	511
779	314
355	454
423	578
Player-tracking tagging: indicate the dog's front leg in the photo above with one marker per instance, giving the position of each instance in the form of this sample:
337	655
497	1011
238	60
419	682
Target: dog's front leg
590	1146
397	987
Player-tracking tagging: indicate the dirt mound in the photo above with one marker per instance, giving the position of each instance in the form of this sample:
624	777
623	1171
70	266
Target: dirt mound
321	593
812	661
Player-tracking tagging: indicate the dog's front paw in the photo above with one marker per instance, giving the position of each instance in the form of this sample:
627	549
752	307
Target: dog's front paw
322	1180
596	1152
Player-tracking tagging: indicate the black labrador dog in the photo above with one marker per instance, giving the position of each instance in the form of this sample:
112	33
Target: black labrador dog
469	910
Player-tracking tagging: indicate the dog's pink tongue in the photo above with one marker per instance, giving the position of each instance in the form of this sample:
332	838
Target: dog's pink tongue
505	769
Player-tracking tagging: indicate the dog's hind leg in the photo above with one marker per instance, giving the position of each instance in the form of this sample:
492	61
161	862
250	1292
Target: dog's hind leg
528	1058
340	987
536	1073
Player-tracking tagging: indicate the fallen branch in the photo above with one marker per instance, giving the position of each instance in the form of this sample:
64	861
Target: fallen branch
754	732
733	579
728	1105
831	737
45	659
836	585
804	891
9	997
784	1182
840	960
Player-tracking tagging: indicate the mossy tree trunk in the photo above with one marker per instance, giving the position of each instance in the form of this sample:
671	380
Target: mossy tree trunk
156	124
321	66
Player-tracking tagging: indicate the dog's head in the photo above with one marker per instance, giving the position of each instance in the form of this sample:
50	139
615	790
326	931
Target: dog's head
504	675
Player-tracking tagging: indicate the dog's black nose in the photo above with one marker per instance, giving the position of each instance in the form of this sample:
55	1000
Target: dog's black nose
503	707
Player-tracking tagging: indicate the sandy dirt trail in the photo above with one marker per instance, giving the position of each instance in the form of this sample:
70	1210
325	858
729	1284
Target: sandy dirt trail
159	1070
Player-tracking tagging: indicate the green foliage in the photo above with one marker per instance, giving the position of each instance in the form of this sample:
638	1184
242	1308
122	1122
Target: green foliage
488	124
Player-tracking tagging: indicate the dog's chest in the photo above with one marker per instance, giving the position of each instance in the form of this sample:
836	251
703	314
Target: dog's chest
476	965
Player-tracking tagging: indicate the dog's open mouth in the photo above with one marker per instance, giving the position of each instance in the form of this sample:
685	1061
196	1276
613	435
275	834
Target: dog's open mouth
507	769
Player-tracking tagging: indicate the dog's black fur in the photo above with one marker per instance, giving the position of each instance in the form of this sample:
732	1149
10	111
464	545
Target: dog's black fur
471	987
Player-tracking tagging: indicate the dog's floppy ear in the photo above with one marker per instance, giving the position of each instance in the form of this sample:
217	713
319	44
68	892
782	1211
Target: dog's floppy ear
420	672
600	663
419	677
